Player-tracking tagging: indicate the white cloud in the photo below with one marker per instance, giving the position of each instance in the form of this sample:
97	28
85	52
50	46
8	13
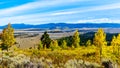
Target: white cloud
10	14
39	5
106	7
19	9
101	20
88	9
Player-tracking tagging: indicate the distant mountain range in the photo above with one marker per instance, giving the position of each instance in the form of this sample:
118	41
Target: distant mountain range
65	25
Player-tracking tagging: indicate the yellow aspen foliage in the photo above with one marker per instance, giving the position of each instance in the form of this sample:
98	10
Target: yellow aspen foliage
72	46
100	38
0	42
88	43
76	39
114	44
64	45
100	41
118	43
40	45
54	45
8	36
0	38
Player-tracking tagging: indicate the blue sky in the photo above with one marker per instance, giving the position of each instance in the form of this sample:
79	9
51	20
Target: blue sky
57	11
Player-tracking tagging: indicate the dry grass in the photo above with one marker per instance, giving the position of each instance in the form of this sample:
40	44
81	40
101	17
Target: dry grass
27	42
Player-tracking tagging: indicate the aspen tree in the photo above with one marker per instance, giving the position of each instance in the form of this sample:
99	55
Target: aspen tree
100	41
64	44
8	37
40	46
118	43
76	39
54	45
114	44
88	43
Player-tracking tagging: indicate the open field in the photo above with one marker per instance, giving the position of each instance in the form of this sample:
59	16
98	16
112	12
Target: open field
29	40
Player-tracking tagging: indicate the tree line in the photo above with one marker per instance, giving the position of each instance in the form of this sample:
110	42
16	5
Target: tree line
99	41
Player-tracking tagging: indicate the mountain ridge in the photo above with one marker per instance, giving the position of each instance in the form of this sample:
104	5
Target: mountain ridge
64	25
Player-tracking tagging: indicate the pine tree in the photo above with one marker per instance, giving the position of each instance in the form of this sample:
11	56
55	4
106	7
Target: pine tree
100	41
8	37
64	44
76	39
46	40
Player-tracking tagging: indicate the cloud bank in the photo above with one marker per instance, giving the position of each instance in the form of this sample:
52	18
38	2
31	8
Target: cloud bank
53	11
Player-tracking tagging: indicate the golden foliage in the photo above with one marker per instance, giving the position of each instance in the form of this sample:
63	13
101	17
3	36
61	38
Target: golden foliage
8	36
76	39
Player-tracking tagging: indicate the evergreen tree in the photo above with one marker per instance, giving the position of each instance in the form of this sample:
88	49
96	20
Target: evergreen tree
76	39
8	37
100	40
45	40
